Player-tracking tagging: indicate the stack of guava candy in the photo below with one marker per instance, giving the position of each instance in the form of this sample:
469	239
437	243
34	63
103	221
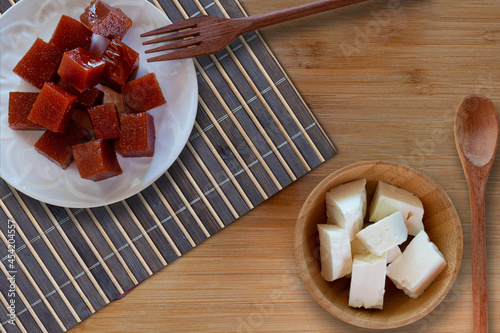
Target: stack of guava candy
79	126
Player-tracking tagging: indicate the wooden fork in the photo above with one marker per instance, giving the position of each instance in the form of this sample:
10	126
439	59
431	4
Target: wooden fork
203	34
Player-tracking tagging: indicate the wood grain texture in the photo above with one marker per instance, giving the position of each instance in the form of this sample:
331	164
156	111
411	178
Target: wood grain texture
384	80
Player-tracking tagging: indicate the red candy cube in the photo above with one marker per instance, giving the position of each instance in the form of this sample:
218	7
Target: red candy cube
96	160
142	94
81	69
89	98
121	61
105	121
20	104
137	135
105	20
86	99
68	87
39	64
82	117
57	146
70	34
52	108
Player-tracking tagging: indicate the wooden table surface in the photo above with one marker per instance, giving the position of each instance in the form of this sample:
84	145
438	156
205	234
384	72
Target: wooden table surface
383	78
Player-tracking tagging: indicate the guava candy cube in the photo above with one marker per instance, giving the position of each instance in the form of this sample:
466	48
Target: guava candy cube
86	99
82	117
52	108
70	34
89	98
39	64
20	104
137	135
68	87
142	94
121	61
96	160
81	69
57	146
105	120
105	20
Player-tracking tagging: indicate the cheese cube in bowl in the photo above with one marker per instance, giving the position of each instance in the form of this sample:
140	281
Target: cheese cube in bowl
382	236
389	199
346	206
335	251
368	281
417	267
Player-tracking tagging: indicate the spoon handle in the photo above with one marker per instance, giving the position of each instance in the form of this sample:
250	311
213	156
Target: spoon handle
477	191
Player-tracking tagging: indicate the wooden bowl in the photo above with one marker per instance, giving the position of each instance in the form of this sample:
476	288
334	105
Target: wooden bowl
441	222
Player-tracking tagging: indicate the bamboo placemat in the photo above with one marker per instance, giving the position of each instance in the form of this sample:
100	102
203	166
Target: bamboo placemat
253	136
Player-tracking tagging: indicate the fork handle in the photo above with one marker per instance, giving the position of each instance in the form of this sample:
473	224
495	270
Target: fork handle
264	20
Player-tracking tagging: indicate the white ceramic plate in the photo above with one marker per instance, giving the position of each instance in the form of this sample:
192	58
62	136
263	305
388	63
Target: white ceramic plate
31	173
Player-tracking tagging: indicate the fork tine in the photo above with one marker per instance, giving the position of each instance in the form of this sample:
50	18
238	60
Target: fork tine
181	25
179	54
171	37
176	45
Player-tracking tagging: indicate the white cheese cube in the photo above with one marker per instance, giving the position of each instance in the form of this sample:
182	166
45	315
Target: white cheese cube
335	251
415	269
357	247
383	235
346	206
393	254
368	281
389	199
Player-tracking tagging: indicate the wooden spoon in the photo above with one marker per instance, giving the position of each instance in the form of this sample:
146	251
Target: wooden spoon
476	137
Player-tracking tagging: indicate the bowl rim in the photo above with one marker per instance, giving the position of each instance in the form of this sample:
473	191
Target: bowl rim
304	270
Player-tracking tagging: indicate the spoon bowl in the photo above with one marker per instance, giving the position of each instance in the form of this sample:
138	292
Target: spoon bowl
476	130
476	137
